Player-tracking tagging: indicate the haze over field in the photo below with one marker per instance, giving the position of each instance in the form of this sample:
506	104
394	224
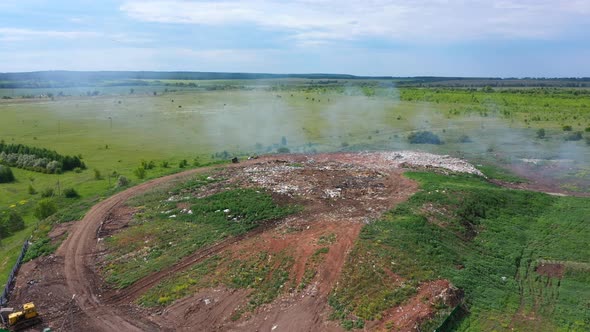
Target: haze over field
401	38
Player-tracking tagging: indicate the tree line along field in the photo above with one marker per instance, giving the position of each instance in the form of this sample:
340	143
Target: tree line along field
181	125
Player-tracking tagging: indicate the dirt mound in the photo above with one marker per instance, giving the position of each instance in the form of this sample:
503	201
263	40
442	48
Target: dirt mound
339	192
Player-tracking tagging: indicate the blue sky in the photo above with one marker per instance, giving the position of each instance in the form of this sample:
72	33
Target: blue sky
372	37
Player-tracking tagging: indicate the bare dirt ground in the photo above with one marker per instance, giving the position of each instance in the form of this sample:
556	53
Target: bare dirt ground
542	178
339	192
551	270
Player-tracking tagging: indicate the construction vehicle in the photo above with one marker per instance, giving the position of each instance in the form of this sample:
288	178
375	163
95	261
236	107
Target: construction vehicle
20	320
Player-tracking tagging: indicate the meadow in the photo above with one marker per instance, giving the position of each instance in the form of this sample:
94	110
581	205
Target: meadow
182	125
486	240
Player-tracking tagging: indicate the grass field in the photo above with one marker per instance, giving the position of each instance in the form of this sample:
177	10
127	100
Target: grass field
487	241
115	130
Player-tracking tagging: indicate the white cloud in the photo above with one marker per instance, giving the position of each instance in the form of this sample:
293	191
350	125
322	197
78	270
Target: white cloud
15	34
315	22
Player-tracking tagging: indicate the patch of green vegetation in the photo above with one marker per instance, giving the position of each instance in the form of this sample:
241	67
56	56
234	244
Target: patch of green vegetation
198	276
487	247
326	239
264	273
165	234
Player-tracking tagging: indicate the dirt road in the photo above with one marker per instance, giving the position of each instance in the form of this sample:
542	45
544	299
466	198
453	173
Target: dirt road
78	249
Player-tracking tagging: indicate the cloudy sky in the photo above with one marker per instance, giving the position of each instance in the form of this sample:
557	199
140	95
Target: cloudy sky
542	38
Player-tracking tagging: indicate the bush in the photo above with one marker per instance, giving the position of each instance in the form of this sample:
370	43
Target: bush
164	164
139	172
283	150
11	223
122	181
576	136
465	139
183	163
32	190
97	175
6	175
148	165
47	192
71	193
541	133
78	170
424	137
587	129
567	128
45	208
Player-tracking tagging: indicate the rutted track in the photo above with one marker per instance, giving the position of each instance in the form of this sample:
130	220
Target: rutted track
78	250
132	292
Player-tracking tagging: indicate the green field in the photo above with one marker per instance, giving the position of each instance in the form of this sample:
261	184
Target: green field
487	241
166	122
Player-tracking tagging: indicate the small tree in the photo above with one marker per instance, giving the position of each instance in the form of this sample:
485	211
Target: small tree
97	175
122	181
183	163
567	128
45	208
6	175
541	133
283	140
424	137
13	222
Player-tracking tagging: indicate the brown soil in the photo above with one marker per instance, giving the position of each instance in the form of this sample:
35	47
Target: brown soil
421	307
551	270
339	193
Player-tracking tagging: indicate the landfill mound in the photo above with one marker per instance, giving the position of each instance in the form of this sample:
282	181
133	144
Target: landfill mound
338	192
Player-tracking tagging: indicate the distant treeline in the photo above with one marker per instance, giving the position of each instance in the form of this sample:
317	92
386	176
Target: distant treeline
38	159
57	79
63	79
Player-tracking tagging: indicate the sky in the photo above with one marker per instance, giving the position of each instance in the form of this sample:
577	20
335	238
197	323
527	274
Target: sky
509	38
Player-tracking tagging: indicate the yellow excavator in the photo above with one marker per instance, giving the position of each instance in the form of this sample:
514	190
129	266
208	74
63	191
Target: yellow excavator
21	319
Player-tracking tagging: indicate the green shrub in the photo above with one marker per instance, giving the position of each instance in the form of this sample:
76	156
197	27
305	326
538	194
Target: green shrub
587	129
164	164
465	139
6	175
424	137
122	181
71	193
32	190
47	192
567	128
45	208
97	175
575	136
10	223
78	170
140	172
283	150
541	133
183	163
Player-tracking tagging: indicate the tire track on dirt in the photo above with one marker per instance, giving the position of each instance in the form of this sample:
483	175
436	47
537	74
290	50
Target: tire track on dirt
78	252
131	293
